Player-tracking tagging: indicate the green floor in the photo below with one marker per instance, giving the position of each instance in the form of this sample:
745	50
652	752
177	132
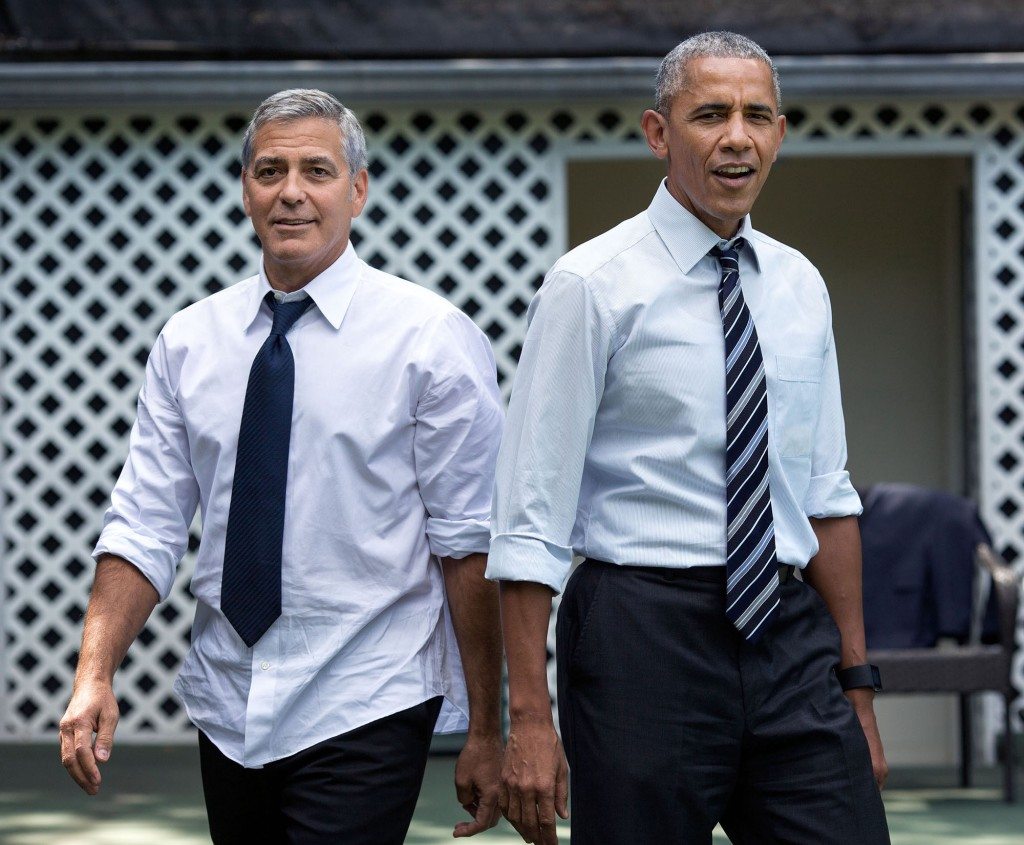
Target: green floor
151	796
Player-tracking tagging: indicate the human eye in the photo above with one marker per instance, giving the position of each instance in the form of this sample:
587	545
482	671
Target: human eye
266	171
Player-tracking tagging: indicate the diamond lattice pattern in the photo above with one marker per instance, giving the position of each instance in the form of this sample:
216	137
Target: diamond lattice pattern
113	221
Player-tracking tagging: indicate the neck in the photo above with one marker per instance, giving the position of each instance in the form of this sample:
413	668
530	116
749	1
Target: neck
289	277
283	282
725	229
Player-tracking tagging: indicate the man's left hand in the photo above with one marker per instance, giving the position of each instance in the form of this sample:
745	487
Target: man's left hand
478	783
862	701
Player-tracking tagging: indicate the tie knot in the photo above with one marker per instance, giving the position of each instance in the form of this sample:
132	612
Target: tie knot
286	313
730	254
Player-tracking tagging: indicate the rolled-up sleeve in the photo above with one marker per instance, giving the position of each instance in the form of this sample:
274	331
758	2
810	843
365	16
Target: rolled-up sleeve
458	427
156	495
830	492
558	386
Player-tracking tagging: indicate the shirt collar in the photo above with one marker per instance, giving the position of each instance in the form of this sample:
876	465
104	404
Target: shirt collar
687	239
331	291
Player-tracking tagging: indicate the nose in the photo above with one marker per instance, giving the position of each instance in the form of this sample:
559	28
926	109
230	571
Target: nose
735	136
292	191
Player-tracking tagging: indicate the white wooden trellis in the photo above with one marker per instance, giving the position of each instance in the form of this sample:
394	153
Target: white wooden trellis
113	220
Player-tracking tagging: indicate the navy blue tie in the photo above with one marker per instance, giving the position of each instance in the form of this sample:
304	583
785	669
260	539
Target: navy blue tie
250	594
752	571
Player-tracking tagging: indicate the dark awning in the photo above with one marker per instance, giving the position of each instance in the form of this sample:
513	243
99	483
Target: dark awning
434	29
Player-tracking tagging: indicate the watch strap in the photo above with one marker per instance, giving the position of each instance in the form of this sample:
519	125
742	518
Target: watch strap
865	676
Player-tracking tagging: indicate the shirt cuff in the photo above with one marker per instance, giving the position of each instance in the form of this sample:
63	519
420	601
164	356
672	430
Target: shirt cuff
518	557
832	495
146	554
457	538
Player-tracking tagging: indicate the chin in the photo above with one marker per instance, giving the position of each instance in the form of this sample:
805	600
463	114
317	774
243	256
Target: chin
289	257
736	213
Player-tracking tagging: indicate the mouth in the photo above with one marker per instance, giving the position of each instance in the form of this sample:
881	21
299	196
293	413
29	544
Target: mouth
734	174
292	222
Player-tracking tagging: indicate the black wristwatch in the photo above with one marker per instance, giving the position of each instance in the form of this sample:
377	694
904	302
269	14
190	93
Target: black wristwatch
865	676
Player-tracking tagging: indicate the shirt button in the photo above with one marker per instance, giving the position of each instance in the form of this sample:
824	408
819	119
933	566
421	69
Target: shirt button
264	665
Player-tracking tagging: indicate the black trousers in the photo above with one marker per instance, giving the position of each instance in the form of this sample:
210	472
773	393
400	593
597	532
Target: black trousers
673	723
359	788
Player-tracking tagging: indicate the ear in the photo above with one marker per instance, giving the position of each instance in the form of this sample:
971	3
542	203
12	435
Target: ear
655	127
360	191
781	123
245	197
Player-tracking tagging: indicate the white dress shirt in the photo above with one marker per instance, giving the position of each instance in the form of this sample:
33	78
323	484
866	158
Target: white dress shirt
395	427
615	440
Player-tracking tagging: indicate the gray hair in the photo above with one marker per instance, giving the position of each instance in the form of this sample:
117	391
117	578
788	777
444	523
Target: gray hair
302	103
719	45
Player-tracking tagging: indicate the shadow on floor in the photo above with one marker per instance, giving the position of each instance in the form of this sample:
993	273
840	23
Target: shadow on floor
152	796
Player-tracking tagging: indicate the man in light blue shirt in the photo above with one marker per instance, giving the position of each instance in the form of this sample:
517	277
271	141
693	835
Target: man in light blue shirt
676	420
336	427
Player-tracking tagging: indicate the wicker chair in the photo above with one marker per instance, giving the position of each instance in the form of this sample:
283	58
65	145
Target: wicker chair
967	668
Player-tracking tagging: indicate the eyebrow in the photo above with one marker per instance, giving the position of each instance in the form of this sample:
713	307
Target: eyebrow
760	108
272	161
321	161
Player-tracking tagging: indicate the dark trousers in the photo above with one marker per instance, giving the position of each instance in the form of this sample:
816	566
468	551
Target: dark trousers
359	788
673	723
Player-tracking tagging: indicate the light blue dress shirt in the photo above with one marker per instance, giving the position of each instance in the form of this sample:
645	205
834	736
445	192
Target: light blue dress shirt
395	427
615	439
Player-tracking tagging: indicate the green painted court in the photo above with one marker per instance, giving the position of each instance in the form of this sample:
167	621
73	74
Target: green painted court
152	796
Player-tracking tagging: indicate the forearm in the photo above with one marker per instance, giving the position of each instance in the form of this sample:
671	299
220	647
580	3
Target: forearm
525	612
835	573
473	603
122	600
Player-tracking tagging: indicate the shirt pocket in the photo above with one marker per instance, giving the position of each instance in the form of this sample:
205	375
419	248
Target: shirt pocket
797	398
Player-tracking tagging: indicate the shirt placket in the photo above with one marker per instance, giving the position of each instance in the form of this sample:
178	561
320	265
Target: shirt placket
266	668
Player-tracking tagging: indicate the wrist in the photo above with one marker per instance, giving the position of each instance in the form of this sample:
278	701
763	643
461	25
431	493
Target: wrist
861	676
486	729
92	675
529	716
529	700
862	700
93	682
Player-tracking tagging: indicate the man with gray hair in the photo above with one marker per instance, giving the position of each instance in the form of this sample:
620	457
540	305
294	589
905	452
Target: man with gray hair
337	426
676	421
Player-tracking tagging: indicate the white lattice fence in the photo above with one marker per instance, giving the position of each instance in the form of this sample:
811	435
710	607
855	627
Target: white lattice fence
113	221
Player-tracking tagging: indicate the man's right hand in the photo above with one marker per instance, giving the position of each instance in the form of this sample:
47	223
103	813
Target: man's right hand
535	780
92	710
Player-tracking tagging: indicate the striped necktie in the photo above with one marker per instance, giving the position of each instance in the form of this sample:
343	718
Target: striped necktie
250	594
752	586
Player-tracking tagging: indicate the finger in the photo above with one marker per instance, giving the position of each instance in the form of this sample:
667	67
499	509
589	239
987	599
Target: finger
486	817
528	815
105	733
513	809
546	821
488	811
562	792
84	755
465	794
469	828
70	761
515	814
